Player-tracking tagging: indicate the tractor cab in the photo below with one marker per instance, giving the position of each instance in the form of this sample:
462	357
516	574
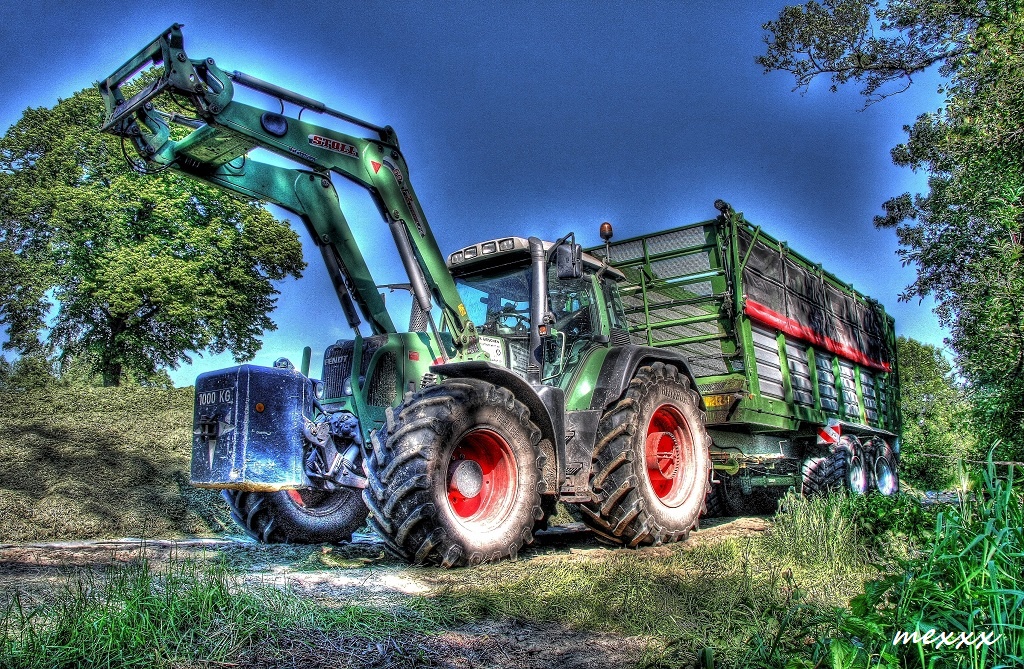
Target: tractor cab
495	281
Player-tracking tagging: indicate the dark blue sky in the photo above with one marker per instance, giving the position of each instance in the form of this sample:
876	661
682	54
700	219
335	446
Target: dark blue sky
531	118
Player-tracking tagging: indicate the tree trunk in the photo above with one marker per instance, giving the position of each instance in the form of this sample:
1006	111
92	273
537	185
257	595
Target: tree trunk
111	375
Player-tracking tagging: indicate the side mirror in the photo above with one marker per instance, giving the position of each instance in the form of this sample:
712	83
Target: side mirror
569	261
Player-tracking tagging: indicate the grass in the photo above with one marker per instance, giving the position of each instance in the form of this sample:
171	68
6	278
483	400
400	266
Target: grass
138	615
962	576
829	585
969	579
819	533
795	596
685	597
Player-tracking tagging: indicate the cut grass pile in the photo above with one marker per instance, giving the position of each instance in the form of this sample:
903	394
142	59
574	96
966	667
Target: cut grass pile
83	463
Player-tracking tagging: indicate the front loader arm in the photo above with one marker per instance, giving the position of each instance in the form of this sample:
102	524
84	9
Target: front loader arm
224	131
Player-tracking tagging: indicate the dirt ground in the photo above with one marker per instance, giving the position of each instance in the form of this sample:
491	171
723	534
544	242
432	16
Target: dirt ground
359	571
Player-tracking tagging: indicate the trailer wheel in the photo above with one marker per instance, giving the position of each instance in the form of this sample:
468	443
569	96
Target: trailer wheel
858	470
455	475
824	473
886	476
651	462
297	516
715	505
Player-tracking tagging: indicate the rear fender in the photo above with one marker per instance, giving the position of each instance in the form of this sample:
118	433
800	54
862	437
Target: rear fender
621	364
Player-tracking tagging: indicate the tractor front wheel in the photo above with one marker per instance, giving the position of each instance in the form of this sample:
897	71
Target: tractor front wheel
651	463
455	475
297	516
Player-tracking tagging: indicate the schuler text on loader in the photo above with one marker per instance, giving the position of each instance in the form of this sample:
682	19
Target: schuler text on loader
535	384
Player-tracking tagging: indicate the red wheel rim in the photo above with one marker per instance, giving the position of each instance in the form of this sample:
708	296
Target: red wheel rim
667	455
297	497
481	479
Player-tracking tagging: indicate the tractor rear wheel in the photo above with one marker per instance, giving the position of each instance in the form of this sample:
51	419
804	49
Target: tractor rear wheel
651	463
455	475
297	516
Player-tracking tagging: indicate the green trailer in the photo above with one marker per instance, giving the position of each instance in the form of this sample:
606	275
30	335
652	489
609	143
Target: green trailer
797	369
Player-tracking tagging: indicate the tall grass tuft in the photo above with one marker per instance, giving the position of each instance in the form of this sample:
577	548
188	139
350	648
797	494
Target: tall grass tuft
818	532
969	580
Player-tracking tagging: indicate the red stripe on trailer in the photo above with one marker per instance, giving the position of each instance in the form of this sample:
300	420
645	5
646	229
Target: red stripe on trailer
763	314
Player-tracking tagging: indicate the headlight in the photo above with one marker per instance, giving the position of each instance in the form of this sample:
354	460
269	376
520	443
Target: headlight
346	387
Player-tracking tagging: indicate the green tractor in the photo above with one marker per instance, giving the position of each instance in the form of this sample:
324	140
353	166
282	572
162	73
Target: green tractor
458	439
533	373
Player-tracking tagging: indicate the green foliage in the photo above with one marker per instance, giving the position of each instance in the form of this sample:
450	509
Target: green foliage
936	417
968	580
962	577
29	372
964	235
890	527
185	614
146	270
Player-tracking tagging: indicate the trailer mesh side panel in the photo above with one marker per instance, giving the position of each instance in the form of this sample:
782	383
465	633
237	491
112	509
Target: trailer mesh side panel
851	405
867	387
799	373
826	382
816	349
673	294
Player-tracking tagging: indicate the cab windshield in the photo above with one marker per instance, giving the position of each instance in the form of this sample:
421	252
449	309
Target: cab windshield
498	301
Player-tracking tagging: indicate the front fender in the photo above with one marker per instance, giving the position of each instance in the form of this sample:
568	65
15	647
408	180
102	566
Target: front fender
546	405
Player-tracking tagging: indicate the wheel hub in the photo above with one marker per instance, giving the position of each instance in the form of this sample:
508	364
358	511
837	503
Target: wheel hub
663	453
466	476
481	480
668	456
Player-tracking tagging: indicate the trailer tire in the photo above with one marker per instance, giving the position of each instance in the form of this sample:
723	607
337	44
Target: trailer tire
824	473
455	475
297	516
652	466
858	467
715	505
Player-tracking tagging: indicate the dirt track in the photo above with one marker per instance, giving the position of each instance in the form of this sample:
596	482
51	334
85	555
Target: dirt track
358	572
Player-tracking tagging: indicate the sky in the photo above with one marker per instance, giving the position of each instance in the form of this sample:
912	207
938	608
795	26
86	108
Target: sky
530	118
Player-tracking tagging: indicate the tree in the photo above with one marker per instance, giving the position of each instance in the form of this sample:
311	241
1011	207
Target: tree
146	270
964	234
935	416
